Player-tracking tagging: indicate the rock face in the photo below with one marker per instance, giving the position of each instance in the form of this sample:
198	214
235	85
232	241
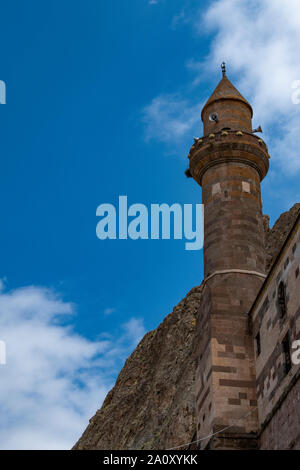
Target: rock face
152	405
276	236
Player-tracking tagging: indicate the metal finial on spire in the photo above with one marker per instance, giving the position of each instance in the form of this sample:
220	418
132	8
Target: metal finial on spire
223	67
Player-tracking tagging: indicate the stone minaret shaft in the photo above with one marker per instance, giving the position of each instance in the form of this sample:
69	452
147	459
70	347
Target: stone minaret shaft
229	163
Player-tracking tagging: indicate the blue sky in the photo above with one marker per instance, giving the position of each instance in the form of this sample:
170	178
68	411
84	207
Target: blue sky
104	99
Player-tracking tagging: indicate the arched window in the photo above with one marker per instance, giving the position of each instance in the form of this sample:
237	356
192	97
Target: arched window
286	348
281	297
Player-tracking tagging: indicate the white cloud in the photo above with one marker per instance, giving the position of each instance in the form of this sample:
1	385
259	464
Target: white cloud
260	41
168	118
180	18
54	379
109	311
134	331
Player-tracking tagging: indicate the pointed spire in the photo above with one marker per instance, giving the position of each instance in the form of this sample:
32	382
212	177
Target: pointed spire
223	67
225	90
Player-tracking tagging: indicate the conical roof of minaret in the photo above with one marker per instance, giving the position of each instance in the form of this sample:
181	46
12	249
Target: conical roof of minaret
225	90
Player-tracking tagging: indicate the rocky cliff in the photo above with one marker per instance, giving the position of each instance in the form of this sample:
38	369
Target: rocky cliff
152	405
276	236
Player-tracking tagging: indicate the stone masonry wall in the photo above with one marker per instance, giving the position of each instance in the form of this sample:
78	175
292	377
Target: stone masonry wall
233	223
276	380
232	373
283	430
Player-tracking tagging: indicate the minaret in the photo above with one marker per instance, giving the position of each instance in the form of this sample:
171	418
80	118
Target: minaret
228	162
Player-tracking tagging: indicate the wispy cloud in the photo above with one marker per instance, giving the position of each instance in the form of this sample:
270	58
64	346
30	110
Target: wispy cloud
169	118
109	311
54	379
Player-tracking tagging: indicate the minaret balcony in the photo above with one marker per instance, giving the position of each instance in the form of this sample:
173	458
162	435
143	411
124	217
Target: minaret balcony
228	146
